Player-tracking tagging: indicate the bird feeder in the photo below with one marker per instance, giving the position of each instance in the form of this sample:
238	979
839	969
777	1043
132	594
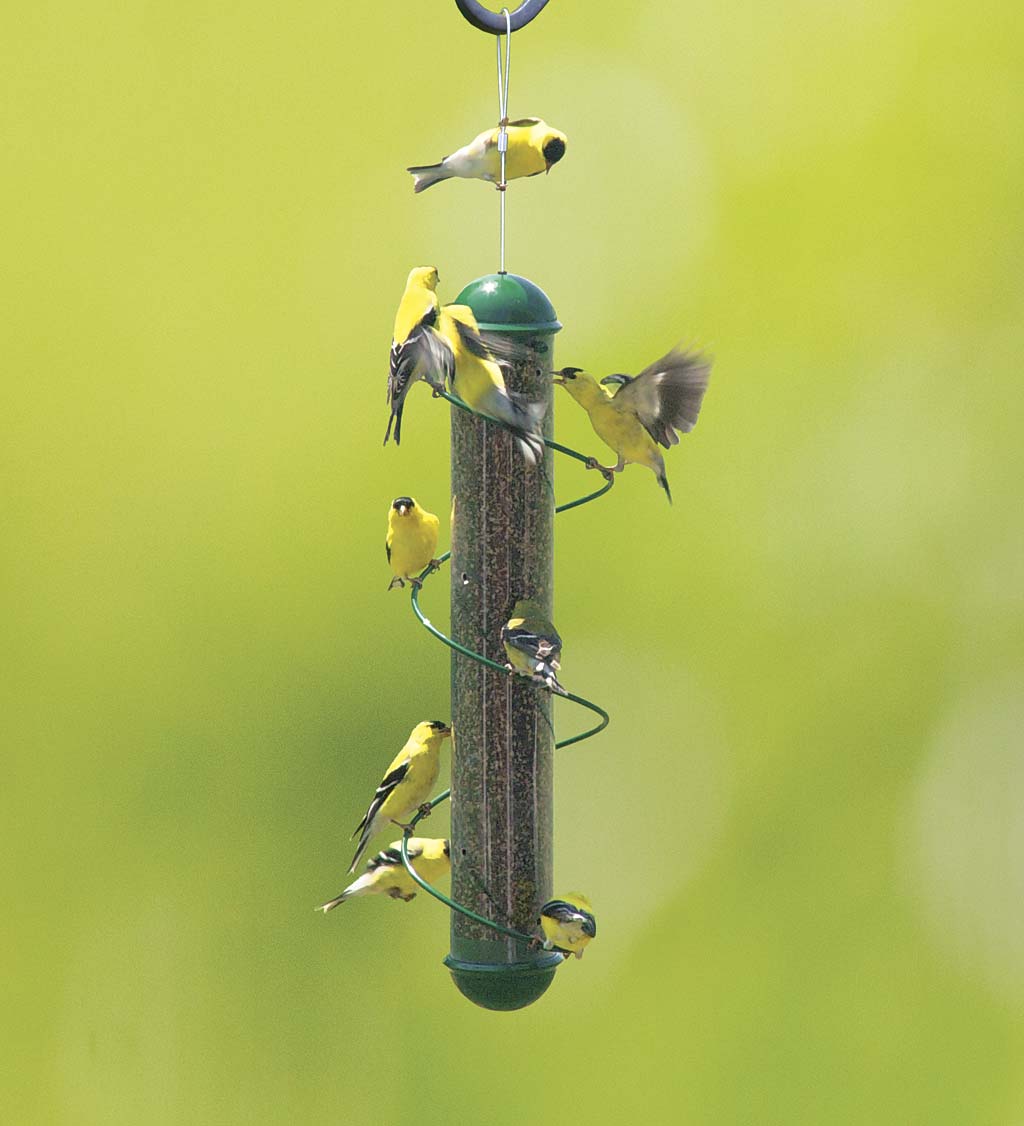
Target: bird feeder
502	550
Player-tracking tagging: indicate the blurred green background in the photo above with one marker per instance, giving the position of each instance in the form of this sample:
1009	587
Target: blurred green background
804	832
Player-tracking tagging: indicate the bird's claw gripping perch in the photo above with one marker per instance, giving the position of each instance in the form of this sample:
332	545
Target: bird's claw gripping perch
606	471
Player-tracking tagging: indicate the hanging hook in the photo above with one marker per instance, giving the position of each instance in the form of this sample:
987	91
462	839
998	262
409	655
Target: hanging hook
486	20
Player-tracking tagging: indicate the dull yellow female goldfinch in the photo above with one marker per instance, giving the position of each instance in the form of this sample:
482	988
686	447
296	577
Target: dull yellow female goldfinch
479	382
411	540
418	351
568	923
646	411
386	875
407	782
533	147
532	644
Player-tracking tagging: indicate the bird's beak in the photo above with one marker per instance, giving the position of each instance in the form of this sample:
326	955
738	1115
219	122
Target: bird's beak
403	509
446	730
558	378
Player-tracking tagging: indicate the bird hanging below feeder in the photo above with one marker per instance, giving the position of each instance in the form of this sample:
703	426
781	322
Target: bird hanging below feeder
386	875
645	411
533	147
406	784
411	541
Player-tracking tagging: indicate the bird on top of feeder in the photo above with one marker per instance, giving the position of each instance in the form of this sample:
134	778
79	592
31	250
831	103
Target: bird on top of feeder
417	349
406	784
568	923
479	382
411	541
644	411
386	875
532	645
533	147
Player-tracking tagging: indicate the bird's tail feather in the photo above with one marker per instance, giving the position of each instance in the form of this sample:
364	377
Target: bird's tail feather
396	418
358	887
527	418
364	840
426	175
663	482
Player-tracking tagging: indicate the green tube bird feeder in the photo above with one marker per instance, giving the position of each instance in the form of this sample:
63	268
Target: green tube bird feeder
502	549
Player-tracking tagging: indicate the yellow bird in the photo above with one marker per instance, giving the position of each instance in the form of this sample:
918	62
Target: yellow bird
532	645
533	147
418	351
479	382
647	409
411	541
407	781
386	875
568	923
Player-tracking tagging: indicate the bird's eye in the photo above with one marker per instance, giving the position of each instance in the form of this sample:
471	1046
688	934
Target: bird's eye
570	375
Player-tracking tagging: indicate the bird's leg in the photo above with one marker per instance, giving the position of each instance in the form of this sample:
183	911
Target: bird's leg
417	583
405	828
533	944
607	471
425	809
408	898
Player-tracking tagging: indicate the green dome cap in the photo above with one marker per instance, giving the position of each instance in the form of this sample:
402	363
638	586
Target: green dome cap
509	303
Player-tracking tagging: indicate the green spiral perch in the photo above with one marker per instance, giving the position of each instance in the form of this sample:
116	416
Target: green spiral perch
501	766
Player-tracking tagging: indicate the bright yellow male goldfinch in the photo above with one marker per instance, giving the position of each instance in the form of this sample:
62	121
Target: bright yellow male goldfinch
646	411
418	351
479	382
386	875
411	541
533	147
407	782
568	923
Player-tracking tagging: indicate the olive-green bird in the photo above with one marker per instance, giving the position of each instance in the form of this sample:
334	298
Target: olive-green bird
532	645
646	410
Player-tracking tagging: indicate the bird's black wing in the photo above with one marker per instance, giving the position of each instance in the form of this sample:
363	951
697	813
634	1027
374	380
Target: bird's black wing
384	790
667	395
423	353
391	858
387	548
524	122
546	647
563	912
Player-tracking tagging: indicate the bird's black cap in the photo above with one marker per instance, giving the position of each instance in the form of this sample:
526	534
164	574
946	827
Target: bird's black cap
400	502
554	150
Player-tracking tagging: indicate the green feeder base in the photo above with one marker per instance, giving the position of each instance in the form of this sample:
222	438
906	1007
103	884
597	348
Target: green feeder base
503	988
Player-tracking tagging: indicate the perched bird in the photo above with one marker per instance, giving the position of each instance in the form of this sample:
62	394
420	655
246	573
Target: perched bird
646	410
386	874
411	540
568	923
418	351
479	382
533	147
407	781
532	644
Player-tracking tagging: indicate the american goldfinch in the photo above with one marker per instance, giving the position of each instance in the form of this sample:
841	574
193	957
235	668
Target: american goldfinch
646	410
417	349
532	644
386	874
568	923
478	381
411	540
407	781
533	147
